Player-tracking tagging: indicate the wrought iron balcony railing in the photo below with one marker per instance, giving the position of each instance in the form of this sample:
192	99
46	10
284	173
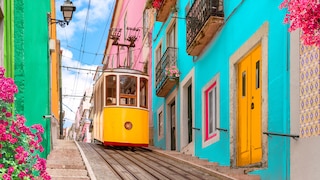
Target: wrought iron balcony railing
168	59
203	20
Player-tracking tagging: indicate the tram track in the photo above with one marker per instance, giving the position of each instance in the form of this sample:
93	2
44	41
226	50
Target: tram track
143	164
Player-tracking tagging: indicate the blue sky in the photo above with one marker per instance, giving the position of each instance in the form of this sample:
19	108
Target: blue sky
83	42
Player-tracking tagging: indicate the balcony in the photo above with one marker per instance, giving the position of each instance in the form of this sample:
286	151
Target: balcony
164	83
165	9
204	19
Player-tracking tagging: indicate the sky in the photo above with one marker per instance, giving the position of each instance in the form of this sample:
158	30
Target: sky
82	42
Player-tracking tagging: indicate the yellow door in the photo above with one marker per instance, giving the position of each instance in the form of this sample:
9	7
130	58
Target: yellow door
249	132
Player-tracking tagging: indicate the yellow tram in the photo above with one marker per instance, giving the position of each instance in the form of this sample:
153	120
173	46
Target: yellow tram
121	116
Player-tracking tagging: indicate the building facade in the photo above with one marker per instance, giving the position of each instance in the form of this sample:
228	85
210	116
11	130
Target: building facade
83	121
55	77
32	65
304	111
228	102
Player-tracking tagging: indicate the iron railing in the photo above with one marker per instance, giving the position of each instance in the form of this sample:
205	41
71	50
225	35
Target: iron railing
199	13
169	58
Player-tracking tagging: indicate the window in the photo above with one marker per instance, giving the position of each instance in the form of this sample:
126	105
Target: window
211	111
257	74
128	90
159	68
125	27
143	92
145	22
160	122
111	90
244	85
158	54
171	36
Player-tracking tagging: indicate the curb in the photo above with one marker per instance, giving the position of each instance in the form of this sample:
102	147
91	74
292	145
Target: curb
86	162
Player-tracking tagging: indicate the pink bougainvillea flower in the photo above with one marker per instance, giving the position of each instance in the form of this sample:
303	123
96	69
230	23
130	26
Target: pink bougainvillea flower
157	4
304	15
21	143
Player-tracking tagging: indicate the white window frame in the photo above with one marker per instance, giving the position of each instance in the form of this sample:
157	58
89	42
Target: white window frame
208	137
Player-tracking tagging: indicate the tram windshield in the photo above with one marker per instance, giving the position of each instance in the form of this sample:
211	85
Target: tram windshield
128	90
129	87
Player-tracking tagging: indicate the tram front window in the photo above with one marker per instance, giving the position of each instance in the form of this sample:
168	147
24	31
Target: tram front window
128	90
111	90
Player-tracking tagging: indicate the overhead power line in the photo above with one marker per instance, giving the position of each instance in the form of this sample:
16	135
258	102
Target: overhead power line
82	69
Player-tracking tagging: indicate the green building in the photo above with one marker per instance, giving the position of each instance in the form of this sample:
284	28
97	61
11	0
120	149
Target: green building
31	63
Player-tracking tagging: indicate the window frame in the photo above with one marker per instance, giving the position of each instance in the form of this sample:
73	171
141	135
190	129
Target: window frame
145	96
126	95
171	33
210	137
106	90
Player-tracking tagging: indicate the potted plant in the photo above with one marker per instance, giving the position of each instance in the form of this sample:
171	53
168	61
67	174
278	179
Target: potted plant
157	4
172	72
149	4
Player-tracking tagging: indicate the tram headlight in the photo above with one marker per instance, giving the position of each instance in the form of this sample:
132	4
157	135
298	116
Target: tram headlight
128	125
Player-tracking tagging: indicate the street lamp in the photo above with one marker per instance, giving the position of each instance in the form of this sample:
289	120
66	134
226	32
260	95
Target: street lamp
67	10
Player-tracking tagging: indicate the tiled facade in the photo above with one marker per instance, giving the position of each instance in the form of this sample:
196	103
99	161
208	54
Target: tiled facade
309	91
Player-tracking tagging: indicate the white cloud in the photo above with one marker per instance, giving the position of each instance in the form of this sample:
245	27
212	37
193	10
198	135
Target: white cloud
100	10
74	83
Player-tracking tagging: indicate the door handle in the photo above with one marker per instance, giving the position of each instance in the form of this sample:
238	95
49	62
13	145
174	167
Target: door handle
252	105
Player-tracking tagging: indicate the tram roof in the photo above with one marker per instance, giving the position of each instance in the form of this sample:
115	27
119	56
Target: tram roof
124	70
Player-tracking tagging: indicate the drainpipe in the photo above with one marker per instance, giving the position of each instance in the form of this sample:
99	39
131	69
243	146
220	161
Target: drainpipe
60	97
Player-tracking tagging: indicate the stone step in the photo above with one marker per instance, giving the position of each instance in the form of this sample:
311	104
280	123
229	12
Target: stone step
64	157
246	177
65	151
68	160
65	162
65	166
71	178
71	147
67	172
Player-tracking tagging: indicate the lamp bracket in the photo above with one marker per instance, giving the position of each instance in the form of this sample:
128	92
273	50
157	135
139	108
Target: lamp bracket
62	23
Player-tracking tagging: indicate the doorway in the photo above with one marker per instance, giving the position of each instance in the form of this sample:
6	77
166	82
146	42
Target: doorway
187	129
173	125
249	121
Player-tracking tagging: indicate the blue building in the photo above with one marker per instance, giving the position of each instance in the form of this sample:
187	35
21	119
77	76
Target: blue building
229	102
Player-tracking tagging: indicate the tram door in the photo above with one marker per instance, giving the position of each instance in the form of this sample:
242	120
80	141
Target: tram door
249	140
173	125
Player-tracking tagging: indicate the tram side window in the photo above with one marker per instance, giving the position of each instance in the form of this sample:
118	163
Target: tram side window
111	90
144	93
128	90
